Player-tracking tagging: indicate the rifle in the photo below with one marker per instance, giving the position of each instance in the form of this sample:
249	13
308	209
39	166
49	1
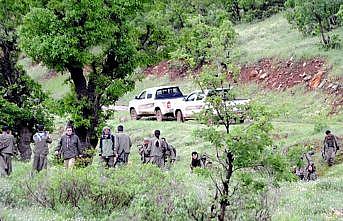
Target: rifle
115	163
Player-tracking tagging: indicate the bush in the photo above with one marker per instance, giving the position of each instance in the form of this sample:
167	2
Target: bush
142	191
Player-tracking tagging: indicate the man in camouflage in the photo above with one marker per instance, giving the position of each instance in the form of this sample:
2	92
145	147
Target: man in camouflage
310	169
170	153
107	147
330	148
123	145
144	152
157	148
69	148
7	150
41	149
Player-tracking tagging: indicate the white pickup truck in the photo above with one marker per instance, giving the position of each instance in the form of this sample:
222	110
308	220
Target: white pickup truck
157	101
195	102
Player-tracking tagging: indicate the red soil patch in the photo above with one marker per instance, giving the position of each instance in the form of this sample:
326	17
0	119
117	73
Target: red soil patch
280	75
284	74
174	70
272	74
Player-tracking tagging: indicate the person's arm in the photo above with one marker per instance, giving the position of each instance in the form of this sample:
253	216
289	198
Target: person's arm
100	146
201	164
15	147
336	143
116	145
48	140
59	145
148	149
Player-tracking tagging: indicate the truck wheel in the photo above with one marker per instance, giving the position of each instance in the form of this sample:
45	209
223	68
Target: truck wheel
159	116
133	114
179	117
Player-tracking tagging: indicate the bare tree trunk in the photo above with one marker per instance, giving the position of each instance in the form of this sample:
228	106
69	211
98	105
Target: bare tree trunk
91	110
224	202
325	41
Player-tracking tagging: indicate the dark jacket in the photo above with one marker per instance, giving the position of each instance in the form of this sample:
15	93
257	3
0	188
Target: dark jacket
41	140
7	144
69	146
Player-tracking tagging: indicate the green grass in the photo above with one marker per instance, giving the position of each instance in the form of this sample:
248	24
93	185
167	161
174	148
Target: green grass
55	85
316	200
274	37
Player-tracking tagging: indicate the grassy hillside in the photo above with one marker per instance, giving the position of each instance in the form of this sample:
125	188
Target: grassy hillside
274	37
301	117
290	197
54	83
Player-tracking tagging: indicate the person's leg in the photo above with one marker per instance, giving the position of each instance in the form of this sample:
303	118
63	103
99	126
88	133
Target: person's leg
35	163
110	162
44	162
66	163
126	158
71	163
8	161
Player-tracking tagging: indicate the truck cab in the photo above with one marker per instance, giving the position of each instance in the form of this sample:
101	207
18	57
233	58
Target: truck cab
157	101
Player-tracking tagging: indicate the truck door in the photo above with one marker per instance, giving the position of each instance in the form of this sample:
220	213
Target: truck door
193	104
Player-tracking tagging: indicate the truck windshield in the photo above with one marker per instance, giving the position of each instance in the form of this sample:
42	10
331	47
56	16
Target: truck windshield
172	92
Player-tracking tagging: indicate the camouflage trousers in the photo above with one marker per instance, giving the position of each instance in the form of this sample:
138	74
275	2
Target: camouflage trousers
330	154
158	160
123	158
25	152
108	161
40	162
5	164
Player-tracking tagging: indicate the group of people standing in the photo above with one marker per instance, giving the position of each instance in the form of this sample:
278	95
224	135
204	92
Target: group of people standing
157	151
113	149
308	171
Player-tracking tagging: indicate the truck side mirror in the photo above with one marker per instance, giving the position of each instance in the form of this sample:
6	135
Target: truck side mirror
136	97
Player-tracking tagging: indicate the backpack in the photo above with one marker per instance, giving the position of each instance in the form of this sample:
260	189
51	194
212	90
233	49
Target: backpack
330	142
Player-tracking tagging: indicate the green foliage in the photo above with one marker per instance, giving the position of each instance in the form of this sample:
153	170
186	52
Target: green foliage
320	125
245	153
95	41
23	102
250	10
314	18
206	37
67	31
143	192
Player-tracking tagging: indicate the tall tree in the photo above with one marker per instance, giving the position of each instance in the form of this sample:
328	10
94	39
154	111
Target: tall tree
23	102
93	40
245	164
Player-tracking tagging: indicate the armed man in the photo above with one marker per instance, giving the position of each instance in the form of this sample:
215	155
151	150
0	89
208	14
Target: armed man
144	152
170	153
123	145
7	150
41	149
330	148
